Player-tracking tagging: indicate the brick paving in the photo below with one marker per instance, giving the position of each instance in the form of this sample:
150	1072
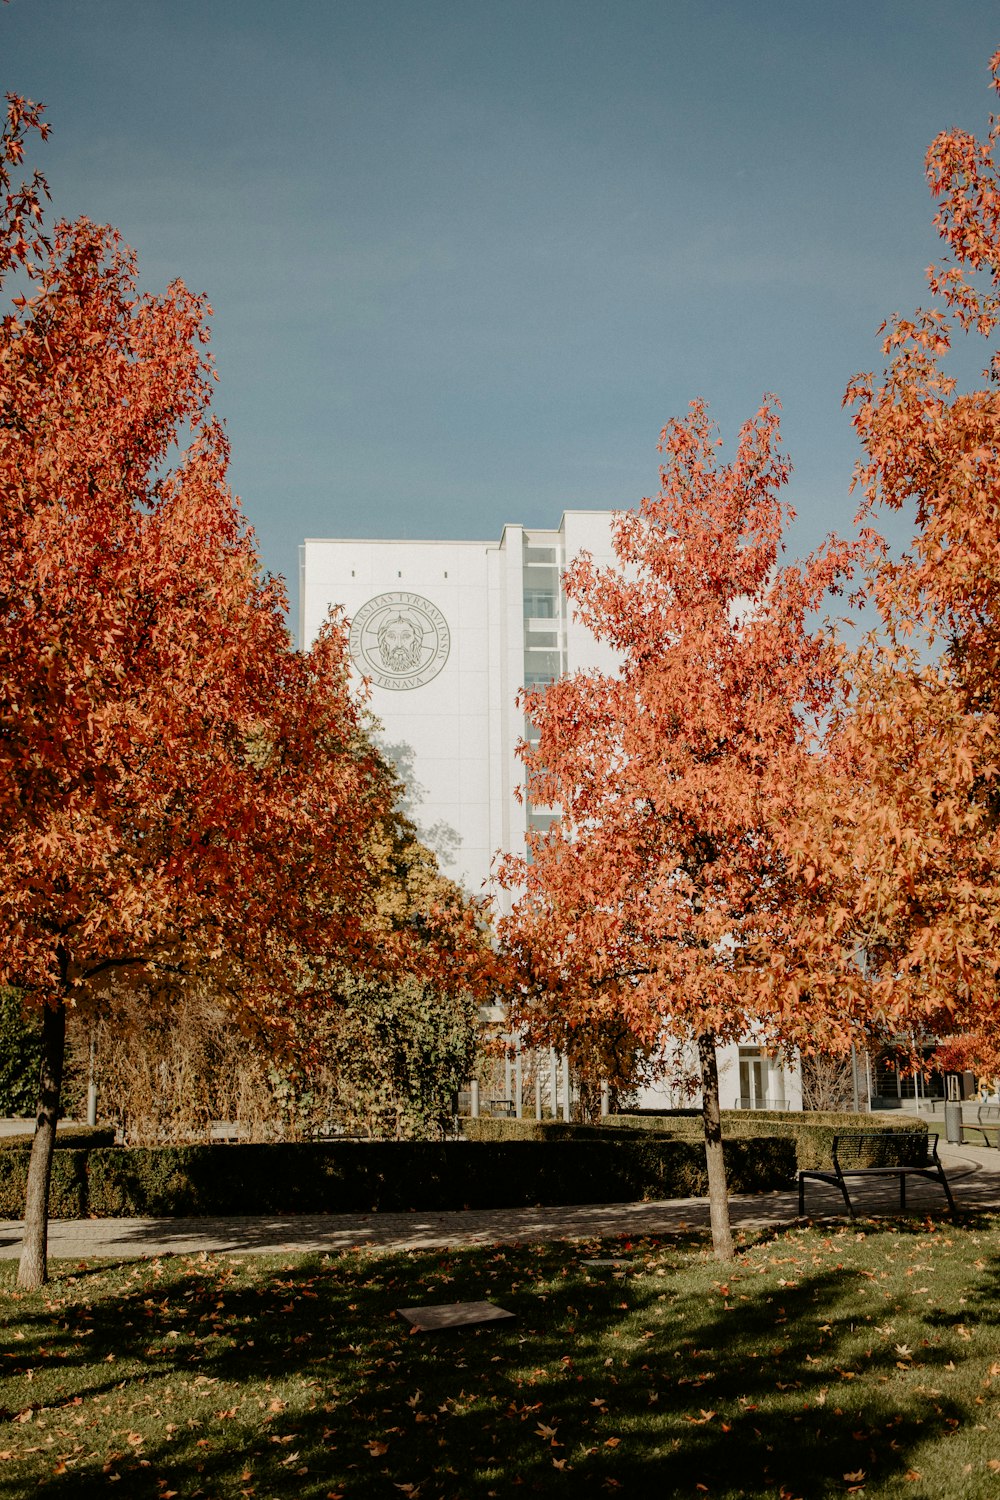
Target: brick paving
974	1174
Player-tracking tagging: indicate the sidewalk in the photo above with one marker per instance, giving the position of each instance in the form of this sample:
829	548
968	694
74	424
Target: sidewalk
973	1171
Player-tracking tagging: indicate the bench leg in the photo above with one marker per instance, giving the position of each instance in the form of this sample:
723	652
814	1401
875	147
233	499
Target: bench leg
902	1191
839	1183
847	1196
947	1187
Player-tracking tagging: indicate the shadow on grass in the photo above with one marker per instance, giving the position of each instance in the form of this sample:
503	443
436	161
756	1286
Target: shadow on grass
661	1379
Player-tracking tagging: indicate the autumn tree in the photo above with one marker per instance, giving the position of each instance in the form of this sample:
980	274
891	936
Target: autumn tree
969	1053
383	1047
903	839
179	789
377	1041
663	892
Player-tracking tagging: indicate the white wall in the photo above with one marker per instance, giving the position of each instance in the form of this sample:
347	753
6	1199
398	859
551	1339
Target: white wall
454	733
439	730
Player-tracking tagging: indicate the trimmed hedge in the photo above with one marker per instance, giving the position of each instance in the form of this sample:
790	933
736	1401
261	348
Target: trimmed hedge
67	1190
68	1137
507	1128
386	1176
812	1131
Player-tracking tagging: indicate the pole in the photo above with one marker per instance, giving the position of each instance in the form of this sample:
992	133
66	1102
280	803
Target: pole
518	1078
92	1084
854	1079
553	1084
474	1098
565	1079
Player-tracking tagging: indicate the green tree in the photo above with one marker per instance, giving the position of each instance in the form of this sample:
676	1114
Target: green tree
20	1056
386	1059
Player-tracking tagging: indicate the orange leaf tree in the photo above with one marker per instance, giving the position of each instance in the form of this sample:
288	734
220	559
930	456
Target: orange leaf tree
904	838
979	1054
179	789
661	896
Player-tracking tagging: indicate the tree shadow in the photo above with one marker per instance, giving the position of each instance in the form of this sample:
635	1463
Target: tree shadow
440	836
622	1379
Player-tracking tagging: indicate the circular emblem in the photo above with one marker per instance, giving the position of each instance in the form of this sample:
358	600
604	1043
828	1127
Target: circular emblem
399	640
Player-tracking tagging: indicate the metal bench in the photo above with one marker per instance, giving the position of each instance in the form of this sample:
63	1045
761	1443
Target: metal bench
880	1153
988	1123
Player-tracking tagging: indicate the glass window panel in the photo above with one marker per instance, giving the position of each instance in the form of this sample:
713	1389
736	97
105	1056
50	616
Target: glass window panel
540	604
549	662
541	822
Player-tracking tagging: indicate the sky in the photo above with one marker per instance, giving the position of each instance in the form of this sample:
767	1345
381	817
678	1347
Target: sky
467	257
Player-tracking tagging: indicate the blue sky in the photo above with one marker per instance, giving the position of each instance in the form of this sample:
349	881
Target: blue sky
468	256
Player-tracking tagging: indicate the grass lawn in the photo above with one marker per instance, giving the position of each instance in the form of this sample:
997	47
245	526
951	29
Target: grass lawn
862	1360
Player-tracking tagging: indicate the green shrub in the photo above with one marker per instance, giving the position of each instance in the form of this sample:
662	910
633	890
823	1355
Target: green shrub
82	1137
504	1128
20	1056
68	1190
387	1176
812	1131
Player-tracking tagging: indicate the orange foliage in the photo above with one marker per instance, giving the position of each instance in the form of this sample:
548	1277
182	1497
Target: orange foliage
180	790
177	785
967	1053
663	895
904	839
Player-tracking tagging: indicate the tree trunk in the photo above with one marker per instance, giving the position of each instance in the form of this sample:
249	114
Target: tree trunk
33	1270
718	1190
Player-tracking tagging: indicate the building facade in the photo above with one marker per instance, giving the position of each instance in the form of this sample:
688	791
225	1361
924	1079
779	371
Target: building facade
447	633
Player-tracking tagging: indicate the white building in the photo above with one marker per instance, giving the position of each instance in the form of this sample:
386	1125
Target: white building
447	633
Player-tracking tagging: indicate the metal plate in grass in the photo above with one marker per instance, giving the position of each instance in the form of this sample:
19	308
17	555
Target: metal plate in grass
452	1315
618	1262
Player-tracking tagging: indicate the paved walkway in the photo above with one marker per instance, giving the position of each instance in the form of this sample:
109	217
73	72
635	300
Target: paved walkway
974	1174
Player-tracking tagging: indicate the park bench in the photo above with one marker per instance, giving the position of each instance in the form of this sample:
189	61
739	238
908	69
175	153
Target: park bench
880	1153
988	1123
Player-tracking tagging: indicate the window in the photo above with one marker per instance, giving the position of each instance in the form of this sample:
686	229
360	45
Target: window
540	604
541	822
760	1080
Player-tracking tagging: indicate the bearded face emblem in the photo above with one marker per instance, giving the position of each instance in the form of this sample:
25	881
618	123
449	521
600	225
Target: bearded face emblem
399	642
